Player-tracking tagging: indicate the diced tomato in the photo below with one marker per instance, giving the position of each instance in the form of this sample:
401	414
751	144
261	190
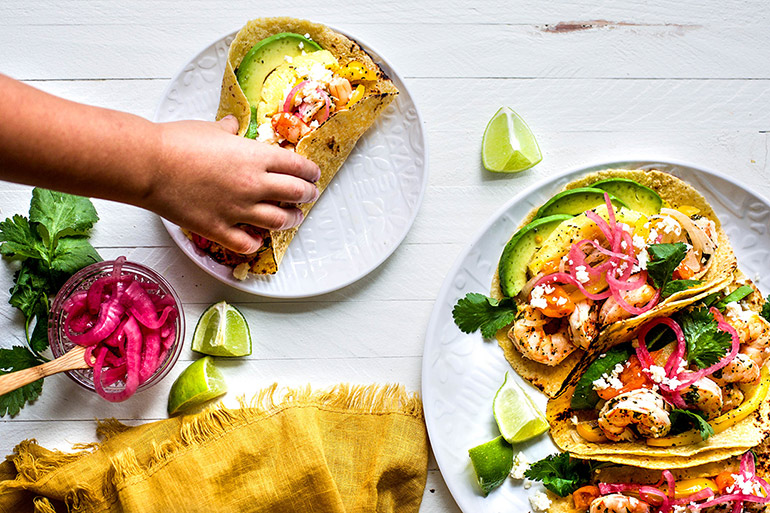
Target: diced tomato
683	272
632	378
550	267
558	303
583	497
724	481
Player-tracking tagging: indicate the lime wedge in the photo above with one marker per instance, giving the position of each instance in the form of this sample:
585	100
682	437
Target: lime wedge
517	416
198	383
492	462
509	145
222	331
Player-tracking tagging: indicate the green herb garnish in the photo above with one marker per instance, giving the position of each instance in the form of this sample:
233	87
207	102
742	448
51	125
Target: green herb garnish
476	311
685	420
561	473
51	246
706	343
675	286
664	259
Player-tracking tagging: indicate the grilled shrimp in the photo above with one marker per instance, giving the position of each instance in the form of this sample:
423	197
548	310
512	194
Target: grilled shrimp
582	323
732	397
618	503
754	334
534	341
704	395
611	311
341	89
642	407
742	369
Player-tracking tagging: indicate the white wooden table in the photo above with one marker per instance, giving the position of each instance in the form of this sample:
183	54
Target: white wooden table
596	81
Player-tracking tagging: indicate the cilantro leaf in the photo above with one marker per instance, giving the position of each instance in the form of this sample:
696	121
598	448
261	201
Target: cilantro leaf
476	311
706	343
561	473
18	240
664	258
675	286
766	309
685	420
29	288
585	397
60	214
11	360
72	254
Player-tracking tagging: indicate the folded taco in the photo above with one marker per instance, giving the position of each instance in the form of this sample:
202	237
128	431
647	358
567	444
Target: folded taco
691	385
613	249
738	484
304	87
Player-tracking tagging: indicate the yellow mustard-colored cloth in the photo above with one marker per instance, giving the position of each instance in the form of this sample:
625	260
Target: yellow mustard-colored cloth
348	449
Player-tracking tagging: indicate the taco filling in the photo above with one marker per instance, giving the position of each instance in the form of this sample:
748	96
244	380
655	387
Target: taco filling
701	368
740	488
604	266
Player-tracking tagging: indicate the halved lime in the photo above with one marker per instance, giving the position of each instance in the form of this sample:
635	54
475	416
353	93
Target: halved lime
201	381
492	462
509	145
222	331
517	416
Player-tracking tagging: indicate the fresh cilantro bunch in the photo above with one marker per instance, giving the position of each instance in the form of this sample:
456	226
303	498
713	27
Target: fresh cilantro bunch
561	473
706	343
476	311
51	245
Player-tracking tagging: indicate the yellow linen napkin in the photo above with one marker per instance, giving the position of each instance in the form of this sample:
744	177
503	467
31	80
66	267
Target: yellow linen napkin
348	449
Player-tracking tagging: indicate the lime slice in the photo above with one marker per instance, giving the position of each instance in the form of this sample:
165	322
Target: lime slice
222	331
492	462
509	145
517	416
198	383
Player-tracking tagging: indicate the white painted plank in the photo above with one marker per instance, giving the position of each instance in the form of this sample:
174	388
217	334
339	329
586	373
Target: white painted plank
105	49
686	12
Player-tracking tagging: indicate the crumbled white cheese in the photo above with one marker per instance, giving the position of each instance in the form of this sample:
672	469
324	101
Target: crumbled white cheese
314	124
561	301
652	238
746	485
670	225
520	465
623	245
581	274
736	311
610	379
639	242
642	259
539	501
574	420
319	73
536	297
658	375
625	227
288	58
307	36
527	484
265	133
301	45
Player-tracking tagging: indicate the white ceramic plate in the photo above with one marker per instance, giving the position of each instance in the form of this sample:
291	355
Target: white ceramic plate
362	216
461	372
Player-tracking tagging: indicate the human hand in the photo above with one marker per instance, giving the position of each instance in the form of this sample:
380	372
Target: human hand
210	181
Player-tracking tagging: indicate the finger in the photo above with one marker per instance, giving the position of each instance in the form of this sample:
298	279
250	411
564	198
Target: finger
239	241
287	188
229	124
273	217
287	162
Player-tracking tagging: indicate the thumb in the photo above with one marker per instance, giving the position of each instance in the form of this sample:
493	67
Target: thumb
229	124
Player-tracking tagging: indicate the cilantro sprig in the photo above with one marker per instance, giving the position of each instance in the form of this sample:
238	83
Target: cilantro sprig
706	343
685	420
476	311
50	246
561	473
664	259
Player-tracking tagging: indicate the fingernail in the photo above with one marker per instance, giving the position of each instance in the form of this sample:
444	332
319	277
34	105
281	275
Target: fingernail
316	194
229	116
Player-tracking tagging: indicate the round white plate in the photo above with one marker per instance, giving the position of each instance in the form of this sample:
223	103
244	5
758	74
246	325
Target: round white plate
362	216
461	372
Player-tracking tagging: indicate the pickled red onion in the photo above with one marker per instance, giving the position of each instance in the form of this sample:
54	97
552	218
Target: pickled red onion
129	335
288	104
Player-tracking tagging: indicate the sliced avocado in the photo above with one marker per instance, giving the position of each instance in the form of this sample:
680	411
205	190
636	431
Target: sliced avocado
519	250
576	201
637	196
283	78
267	55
